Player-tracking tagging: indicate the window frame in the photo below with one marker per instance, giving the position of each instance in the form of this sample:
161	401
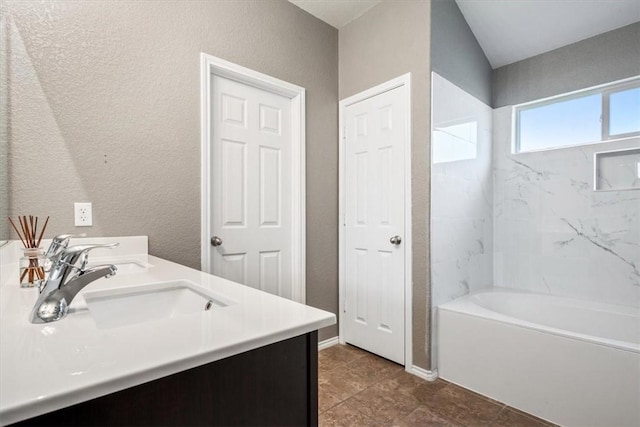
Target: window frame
606	111
606	90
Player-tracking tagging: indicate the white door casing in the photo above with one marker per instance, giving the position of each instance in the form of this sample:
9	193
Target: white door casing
253	178
375	190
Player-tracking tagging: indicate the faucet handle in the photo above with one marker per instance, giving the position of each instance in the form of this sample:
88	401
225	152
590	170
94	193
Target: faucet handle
84	260
61	241
71	255
63	237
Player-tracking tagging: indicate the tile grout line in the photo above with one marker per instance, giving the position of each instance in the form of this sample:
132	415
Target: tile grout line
380	380
350	366
504	406
359	411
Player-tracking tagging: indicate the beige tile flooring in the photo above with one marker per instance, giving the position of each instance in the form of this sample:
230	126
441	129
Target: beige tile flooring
357	388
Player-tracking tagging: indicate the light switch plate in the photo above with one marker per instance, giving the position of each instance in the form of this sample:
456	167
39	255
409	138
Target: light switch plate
83	214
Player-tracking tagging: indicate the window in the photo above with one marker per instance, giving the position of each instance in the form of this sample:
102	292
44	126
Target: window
624	112
593	115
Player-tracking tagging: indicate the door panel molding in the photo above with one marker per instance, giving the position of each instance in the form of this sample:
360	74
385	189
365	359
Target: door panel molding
210	66
405	82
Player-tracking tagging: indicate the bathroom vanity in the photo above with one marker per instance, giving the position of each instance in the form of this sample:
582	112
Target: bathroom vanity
157	344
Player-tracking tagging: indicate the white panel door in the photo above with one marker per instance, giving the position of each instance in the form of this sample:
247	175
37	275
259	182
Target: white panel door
251	196
374	224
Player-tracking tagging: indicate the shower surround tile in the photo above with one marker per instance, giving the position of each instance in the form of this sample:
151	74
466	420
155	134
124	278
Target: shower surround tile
462	193
528	221
552	232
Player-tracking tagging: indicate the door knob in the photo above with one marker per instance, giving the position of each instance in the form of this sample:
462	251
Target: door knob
395	240
216	241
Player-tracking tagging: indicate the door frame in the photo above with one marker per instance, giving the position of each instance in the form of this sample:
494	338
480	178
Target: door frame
405	82
210	66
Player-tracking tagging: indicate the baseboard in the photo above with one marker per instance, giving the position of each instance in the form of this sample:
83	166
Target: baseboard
328	343
423	373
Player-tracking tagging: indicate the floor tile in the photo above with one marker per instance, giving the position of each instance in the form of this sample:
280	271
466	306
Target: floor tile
326	399
473	393
402	382
424	417
377	403
345	415
338	355
374	368
510	417
345	353
357	388
425	391
411	385
326	362
462	406
343	383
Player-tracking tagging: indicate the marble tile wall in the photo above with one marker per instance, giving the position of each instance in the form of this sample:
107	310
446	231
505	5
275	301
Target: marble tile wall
461	193
618	170
528	221
552	232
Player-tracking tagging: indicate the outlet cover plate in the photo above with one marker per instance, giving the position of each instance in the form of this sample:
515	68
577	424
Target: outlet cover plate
83	214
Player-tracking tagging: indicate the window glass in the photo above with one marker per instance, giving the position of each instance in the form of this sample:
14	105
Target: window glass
560	124
624	112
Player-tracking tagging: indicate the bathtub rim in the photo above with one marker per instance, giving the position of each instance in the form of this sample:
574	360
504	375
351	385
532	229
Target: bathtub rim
466	306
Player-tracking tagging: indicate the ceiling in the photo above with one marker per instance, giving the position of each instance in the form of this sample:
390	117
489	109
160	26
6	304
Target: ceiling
511	30
337	13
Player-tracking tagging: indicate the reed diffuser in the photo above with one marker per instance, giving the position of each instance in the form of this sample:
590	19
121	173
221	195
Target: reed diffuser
32	271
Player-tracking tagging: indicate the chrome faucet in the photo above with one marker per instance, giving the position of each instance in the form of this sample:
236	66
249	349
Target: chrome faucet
66	279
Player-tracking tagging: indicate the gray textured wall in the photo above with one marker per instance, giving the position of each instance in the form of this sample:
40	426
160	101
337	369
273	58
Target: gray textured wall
4	136
601	59
456	54
390	40
105	107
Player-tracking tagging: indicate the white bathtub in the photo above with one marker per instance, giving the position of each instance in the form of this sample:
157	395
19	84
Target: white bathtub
572	362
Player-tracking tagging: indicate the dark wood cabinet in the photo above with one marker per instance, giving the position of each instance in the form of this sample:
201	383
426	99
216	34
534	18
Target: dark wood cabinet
275	385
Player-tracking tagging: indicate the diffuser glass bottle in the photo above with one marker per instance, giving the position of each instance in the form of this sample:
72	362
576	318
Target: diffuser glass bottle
32	263
32	267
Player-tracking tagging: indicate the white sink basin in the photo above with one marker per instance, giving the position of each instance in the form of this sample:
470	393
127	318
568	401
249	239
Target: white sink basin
114	308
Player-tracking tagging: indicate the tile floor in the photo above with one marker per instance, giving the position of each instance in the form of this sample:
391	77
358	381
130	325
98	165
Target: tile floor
357	388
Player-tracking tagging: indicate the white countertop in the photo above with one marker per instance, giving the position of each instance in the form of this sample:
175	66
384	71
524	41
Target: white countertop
47	367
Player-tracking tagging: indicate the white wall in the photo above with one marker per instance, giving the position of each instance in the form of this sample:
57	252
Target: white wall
553	233
461	193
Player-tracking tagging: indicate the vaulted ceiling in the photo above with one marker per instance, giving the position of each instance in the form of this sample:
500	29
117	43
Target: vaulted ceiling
337	13
509	30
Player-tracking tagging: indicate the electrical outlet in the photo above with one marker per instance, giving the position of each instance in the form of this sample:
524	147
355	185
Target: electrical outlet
83	214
